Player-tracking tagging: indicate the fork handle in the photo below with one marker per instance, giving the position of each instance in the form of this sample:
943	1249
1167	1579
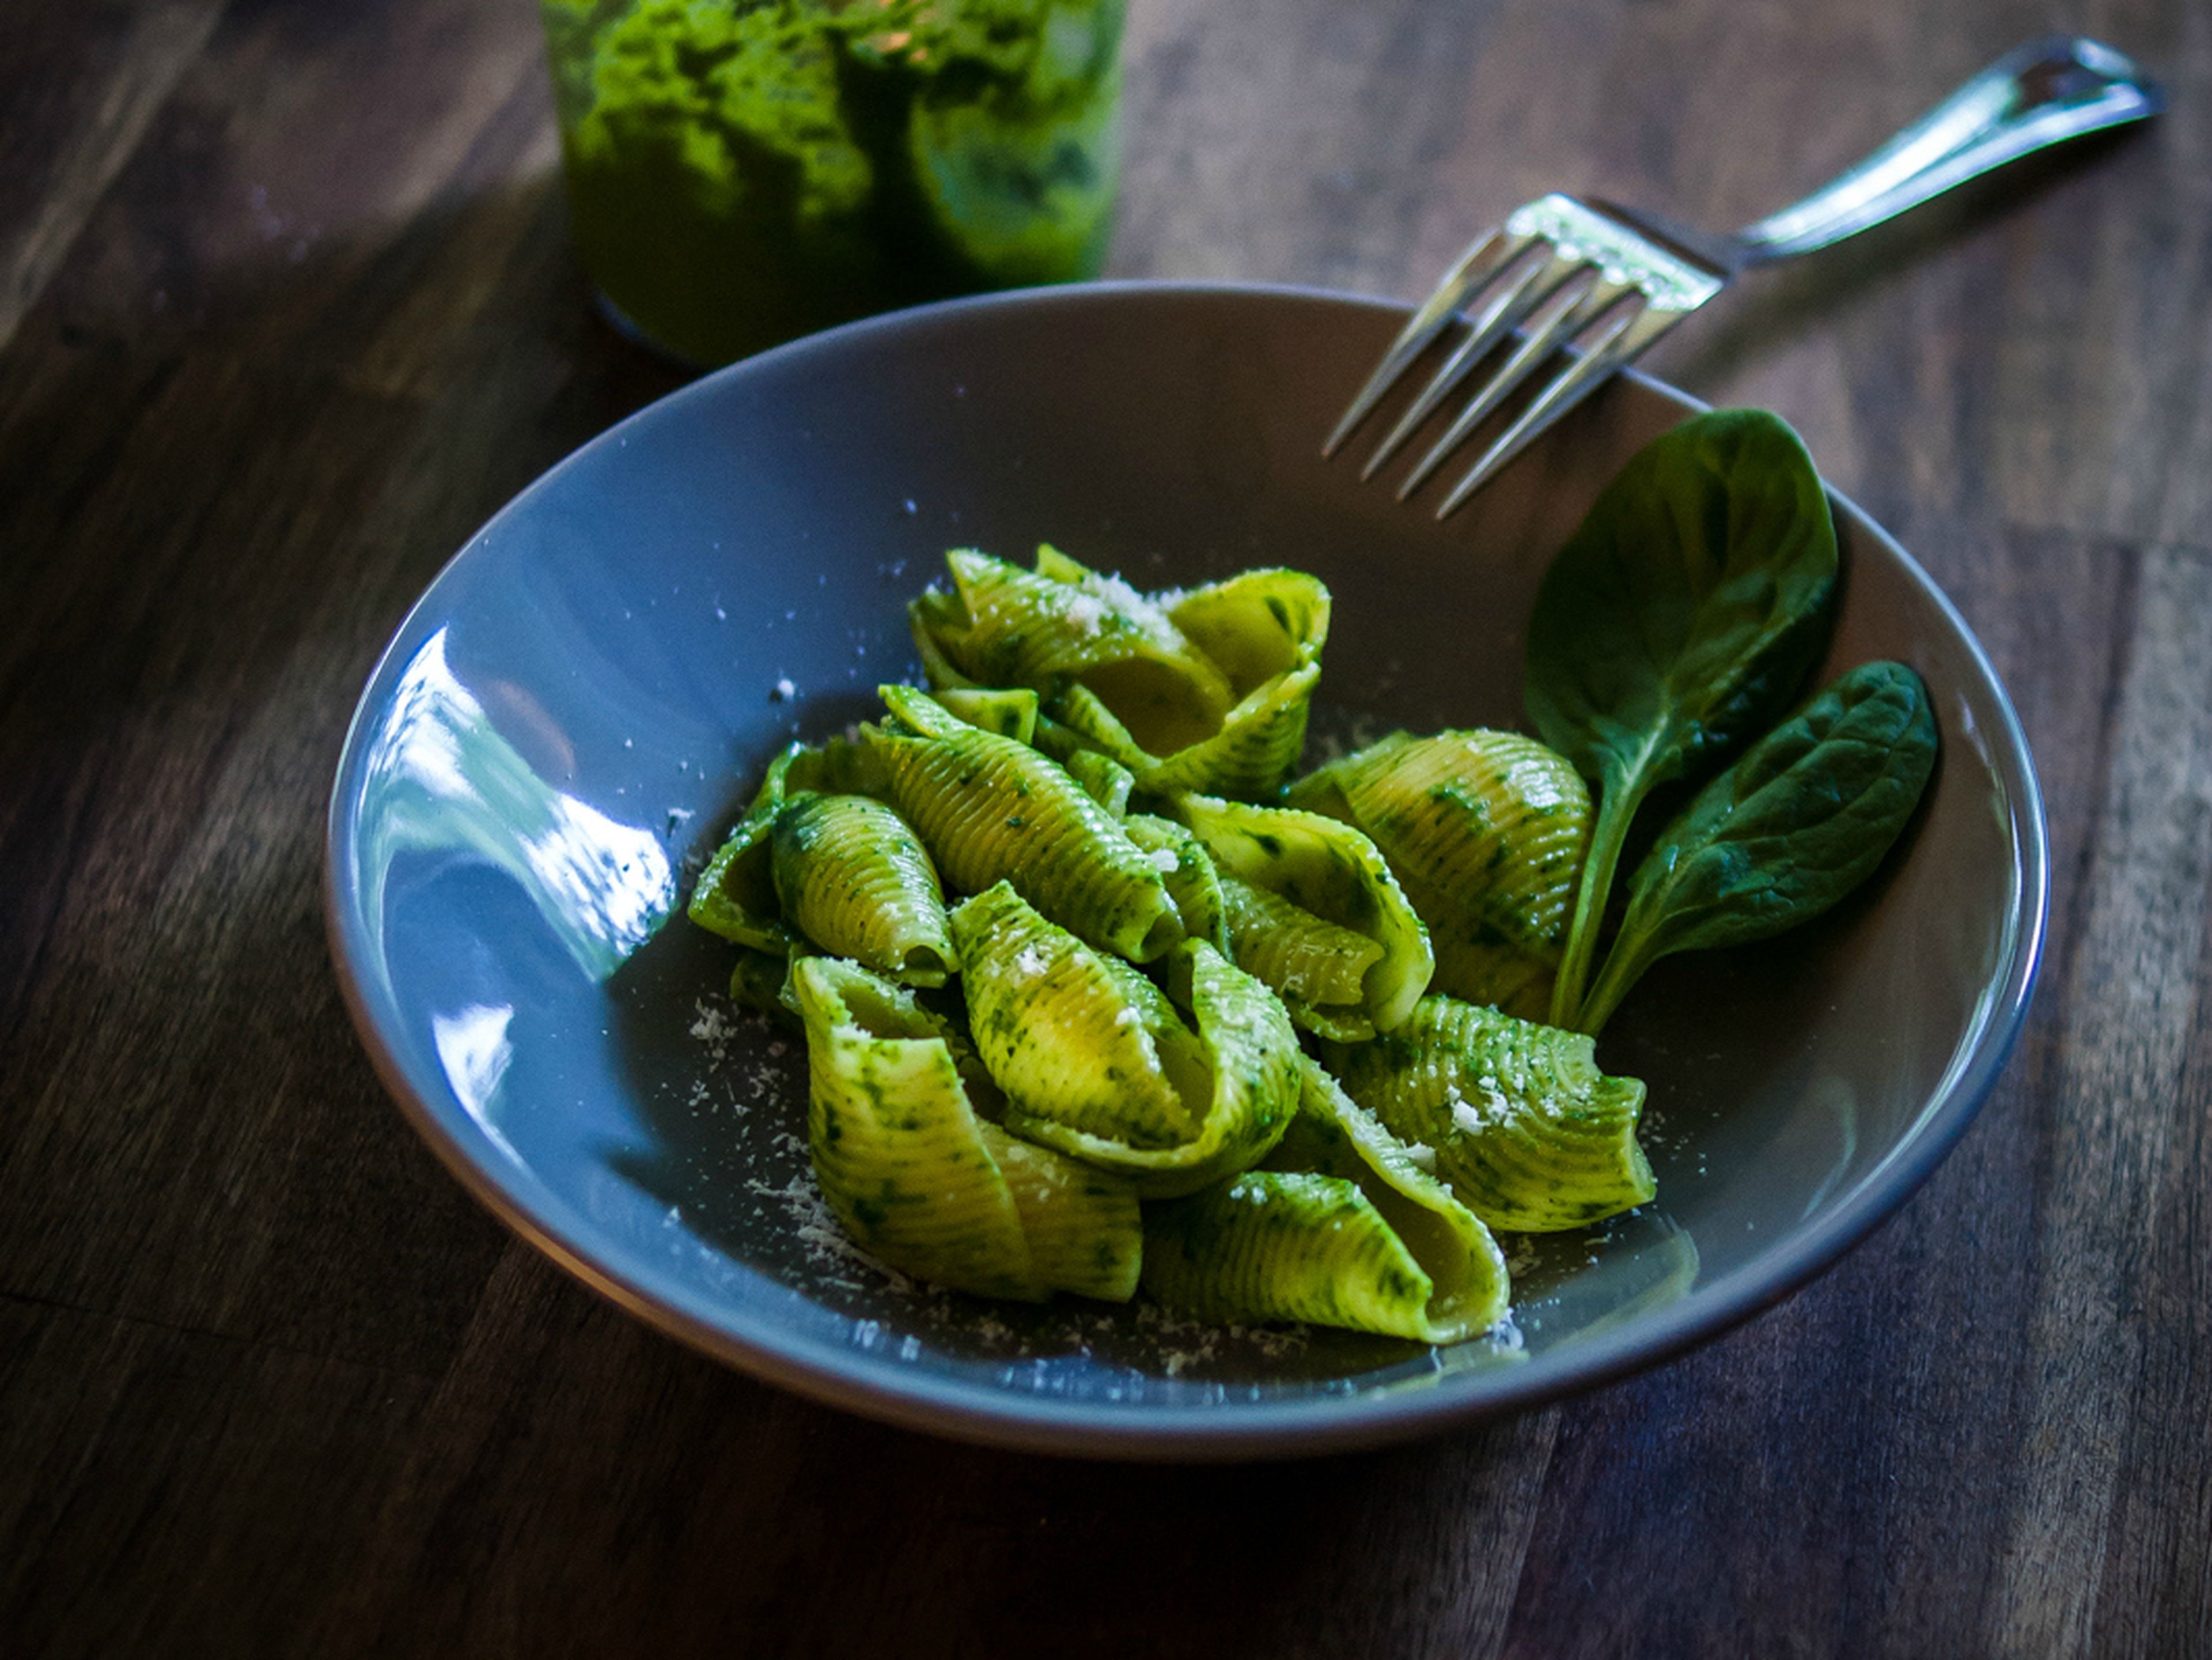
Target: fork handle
2034	96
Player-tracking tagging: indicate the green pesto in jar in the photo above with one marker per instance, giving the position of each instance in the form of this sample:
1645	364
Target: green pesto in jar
744	171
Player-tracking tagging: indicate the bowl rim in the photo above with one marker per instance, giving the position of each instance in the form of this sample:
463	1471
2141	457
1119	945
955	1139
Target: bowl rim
860	1382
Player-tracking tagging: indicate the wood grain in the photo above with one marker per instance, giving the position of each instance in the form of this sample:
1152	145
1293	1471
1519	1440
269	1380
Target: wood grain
286	308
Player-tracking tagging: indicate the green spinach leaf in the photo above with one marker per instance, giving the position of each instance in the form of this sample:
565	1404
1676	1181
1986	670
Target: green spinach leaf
1802	819
1680	619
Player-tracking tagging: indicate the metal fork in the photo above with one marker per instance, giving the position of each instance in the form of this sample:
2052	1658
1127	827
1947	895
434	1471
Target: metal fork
1603	282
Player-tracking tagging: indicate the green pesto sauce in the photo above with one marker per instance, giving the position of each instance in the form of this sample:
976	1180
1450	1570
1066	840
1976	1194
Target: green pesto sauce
744	171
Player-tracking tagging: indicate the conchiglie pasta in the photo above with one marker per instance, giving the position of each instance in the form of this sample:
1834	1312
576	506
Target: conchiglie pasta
1485	832
1244	1102
1004	626
991	810
923	1182
1531	1135
856	881
1073	1035
1203	689
1342	1226
1329	870
1284	1245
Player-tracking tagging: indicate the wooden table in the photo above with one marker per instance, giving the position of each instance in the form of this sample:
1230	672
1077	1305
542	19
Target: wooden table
287	308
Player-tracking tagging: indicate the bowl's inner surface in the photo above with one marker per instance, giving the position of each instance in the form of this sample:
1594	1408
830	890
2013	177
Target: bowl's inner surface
585	700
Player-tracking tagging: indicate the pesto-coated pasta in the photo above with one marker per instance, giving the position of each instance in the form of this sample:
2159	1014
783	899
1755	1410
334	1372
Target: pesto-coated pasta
1192	881
1335	1136
917	1178
1284	1245
735	894
1004	626
1329	869
1082	1225
897	1149
1251	1086
1341	1225
991	810
1316	967
1485	832
1011	712
1531	1135
760	984
1265	629
1073	1035
1104	780
1203	689
855	880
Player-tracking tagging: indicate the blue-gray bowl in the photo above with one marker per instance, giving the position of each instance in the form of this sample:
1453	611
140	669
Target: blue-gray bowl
568	719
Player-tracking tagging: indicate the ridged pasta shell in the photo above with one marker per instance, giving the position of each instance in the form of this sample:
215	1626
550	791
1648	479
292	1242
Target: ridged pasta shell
735	894
897	1149
1324	866
1284	1245
1309	962
1004	626
1203	689
920	1182
1486	831
1257	625
759	983
1083	1226
1531	1135
856	881
1011	712
1335	1136
1104	780
1192	881
991	810
1074	1036
1251	1055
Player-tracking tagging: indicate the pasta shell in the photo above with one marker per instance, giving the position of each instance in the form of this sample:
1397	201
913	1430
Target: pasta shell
1074	1036
1004	626
1011	712
1286	1245
1251	1056
1336	1136
1486	831
1083	1225
1307	962
1203	689
896	1148
1192	882
923	1183
1342	1227
1531	1135
735	894
991	810
855	880
760	984
1327	868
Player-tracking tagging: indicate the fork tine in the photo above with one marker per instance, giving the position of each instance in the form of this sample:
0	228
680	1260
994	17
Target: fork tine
1569	307
1487	255
1510	297
1617	338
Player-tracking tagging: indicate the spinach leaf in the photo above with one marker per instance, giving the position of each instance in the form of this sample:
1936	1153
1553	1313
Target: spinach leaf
1802	819
1678	621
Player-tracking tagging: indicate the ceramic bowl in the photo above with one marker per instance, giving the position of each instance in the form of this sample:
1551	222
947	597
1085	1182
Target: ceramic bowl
572	715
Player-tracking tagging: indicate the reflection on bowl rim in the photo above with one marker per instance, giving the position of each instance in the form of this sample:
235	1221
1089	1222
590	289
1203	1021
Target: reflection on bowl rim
1311	1424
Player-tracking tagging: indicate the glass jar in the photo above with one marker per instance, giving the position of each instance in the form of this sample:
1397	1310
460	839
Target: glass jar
744	171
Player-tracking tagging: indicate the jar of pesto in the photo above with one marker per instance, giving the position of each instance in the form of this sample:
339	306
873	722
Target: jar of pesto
744	171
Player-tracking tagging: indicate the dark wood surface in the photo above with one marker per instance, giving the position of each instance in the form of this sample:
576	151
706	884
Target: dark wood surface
287	307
